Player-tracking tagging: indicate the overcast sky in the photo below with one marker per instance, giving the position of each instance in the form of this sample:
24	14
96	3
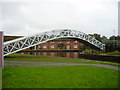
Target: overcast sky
26	17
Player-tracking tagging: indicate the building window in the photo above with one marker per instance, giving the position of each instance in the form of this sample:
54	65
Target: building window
52	46
52	41
44	46
67	46
59	41
75	41
75	46
67	41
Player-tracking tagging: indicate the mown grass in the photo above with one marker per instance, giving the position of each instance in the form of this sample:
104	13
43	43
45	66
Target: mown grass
0	78
60	77
23	57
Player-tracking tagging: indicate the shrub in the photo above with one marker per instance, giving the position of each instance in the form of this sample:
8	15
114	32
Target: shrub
114	53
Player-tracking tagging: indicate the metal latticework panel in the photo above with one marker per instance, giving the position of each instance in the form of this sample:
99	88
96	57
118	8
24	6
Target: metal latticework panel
26	42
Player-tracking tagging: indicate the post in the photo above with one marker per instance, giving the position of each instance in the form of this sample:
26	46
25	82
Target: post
1	51
119	18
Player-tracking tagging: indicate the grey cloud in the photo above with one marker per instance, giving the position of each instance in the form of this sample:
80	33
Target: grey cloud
23	18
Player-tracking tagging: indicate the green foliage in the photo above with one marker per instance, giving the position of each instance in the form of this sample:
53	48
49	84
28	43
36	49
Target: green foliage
0	78
60	77
90	51
82	48
96	36
110	46
114	37
113	53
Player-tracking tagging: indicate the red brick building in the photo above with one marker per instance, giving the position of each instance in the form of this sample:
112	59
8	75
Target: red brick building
68	44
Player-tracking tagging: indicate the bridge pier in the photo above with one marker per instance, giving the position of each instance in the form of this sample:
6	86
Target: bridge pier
1	51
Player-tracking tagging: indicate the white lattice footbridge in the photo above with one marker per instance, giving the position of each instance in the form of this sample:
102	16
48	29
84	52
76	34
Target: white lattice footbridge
30	41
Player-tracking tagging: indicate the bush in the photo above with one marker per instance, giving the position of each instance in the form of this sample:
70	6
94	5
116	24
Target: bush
114	53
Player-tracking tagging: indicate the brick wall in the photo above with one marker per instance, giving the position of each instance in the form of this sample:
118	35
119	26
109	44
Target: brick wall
55	43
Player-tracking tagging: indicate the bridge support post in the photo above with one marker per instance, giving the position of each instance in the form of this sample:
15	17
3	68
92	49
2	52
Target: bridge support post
1	51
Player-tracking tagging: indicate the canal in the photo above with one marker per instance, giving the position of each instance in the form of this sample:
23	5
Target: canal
59	53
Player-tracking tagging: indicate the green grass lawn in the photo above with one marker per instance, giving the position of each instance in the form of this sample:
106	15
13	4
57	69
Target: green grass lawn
60	77
23	57
0	78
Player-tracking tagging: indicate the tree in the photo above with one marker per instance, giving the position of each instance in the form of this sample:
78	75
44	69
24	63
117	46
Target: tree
104	39
61	45
112	38
96	36
110	46
118	37
82	48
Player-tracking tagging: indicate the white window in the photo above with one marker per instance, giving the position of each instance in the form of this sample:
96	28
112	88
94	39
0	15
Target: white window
67	41
52	41
59	41
52	46
75	46
44	46
75	41
67	46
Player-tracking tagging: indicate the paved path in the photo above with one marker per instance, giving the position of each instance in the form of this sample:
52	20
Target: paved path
32	63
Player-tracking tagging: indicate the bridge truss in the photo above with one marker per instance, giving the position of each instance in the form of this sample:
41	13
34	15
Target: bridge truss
19	44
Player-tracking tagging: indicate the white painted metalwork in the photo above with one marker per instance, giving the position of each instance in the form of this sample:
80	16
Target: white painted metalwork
27	42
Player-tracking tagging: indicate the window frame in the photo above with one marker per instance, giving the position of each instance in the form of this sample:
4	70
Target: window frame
44	46
52	47
75	46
